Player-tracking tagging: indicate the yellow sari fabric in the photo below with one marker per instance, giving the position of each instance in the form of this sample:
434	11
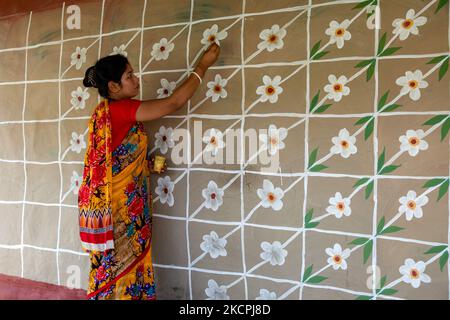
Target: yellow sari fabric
126	272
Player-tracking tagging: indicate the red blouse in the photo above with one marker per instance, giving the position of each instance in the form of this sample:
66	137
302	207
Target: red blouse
123	117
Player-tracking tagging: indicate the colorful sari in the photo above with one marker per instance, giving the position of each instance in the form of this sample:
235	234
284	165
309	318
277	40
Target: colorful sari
115	200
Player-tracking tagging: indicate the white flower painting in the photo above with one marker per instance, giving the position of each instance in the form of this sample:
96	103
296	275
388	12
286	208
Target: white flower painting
273	253
213	196
214	245
270	90
165	191
344	144
212	35
272	38
409	25
162	49
412	205
78	57
79	98
217	88
164	139
413	142
77	142
339	33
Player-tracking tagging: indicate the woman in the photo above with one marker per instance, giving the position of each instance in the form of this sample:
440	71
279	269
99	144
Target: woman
114	198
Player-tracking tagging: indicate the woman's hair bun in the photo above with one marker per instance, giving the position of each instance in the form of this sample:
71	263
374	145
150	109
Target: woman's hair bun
90	78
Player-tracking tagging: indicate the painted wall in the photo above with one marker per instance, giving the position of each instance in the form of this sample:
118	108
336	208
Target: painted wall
353	101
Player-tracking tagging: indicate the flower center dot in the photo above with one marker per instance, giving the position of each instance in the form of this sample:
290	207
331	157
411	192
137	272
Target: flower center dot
79	99
344	144
212	38
164	138
337	259
166	91
273	141
337	87
414	141
414	273
408	23
411	204
217	89
340	206
271	197
213	196
413	84
273	38
340	32
162	48
270	90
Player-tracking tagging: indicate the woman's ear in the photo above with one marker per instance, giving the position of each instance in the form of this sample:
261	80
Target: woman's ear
113	87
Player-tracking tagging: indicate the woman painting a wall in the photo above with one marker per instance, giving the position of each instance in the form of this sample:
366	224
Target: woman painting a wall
114	198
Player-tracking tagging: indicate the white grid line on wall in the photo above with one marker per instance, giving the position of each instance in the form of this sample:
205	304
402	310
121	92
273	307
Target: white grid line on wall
188	65
375	158
59	145
242	120
24	149
306	148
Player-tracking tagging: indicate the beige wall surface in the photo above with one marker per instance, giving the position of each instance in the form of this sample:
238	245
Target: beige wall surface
349	100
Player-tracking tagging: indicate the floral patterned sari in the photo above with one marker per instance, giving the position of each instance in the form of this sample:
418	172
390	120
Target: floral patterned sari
126	271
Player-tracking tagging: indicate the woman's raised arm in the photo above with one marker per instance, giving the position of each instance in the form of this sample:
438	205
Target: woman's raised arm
157	108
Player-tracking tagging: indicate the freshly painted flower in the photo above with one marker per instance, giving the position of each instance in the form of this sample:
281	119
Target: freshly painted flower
161	49
413	273
164	139
338	32
213	196
75	182
77	142
214	141
272	38
273	140
79	98
270	90
404	27
413	142
412	205
119	50
270	196
337	257
215	292
217	88
212	35
339	206
264	294
166	89
78	57
336	87
412	83
273	253
214	245
344	144
165	190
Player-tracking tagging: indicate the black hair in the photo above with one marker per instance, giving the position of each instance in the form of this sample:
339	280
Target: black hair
110	68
